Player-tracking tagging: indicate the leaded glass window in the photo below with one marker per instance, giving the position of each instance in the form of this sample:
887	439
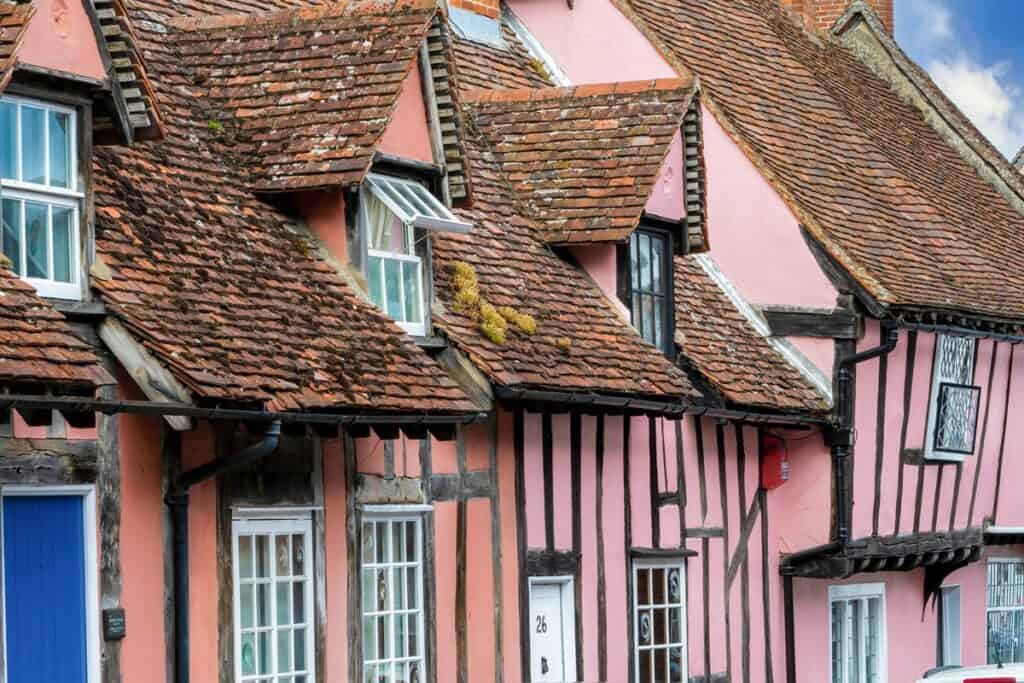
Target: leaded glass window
646	285
659	621
391	574
954	402
1005	611
857	634
273	596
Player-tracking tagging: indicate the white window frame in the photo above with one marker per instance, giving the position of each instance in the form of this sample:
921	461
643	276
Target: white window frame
262	522
568	595
644	563
69	197
930	453
92	598
948	642
431	214
988	608
863	591
396	513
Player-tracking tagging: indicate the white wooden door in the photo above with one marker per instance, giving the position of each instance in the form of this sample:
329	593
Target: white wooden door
552	640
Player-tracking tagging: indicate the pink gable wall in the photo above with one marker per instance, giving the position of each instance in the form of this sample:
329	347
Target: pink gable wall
407	135
60	37
667	198
587	57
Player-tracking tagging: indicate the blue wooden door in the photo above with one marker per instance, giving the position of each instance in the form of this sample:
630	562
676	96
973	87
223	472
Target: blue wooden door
44	589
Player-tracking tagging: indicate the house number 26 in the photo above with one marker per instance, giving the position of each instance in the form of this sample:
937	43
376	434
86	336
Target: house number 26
542	624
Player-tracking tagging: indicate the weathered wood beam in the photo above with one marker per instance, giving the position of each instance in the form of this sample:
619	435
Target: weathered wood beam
155	380
48	461
795	321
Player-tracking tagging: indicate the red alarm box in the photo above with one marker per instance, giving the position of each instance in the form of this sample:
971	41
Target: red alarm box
775	467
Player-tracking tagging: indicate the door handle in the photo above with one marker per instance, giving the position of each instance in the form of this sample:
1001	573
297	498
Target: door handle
544	668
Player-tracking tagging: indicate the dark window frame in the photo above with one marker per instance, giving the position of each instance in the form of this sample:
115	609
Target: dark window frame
626	289
940	412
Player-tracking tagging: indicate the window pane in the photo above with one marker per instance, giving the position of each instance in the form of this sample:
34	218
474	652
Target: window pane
298	602
60	149
873	637
264	658
374	275
283	555
411	278
370	638
393	288
644	261
245	556
62	245
262	557
837	642
11	236
658	317
657	249
8	140
284	608
298	555
36	230
300	649
263	605
249	653
33	145
647	315
284	651
246	608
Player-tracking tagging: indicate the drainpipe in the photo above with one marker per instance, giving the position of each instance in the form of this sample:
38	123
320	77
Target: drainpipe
842	437
177	501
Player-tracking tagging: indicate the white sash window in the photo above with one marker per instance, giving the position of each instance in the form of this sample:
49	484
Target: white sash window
39	195
857	623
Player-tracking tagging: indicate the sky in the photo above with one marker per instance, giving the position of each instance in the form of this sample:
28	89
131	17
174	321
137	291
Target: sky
974	50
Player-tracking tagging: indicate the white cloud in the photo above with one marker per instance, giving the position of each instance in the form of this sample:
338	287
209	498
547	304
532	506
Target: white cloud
984	93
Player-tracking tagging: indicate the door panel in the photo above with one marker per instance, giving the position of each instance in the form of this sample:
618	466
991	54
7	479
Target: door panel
44	589
549	659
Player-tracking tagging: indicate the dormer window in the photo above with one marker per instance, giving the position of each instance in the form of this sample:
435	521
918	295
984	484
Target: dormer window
39	195
645	284
396	213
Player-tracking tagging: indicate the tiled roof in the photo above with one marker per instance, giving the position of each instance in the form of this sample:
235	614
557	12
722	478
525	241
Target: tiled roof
14	20
580	344
37	346
872	181
723	346
301	97
584	158
226	291
508	67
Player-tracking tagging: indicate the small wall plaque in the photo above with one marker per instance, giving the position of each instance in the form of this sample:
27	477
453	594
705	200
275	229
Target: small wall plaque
113	623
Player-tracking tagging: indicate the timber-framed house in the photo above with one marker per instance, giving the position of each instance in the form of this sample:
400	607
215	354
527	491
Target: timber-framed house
408	342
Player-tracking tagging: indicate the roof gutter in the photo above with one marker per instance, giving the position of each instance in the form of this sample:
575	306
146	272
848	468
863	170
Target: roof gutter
624	404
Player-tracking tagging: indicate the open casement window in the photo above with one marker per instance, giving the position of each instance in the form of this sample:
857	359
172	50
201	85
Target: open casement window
40	201
953	408
857	623
645	285
273	596
659	620
391	575
396	215
1005	611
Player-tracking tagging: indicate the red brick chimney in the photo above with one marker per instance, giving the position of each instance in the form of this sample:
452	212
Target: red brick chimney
487	8
822	14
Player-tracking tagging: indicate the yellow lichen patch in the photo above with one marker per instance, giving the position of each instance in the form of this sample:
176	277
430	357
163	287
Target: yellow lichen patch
6	262
525	323
493	322
564	343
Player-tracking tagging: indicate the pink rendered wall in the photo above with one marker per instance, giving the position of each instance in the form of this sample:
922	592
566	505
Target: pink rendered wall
587	57
60	37
336	554
142	532
407	135
325	214
510	576
197	448
946	490
667	198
